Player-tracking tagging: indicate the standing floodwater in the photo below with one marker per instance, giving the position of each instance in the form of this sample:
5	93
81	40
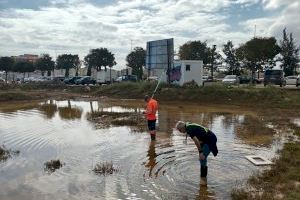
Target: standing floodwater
165	169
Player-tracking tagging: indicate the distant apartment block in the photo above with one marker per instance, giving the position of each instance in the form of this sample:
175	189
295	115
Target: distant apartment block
27	58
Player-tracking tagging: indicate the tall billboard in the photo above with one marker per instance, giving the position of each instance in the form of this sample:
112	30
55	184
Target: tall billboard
160	54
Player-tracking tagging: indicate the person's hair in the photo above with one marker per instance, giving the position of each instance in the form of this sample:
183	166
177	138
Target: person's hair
146	97
180	125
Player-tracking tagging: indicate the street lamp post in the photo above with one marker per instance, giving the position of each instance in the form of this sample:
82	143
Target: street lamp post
212	61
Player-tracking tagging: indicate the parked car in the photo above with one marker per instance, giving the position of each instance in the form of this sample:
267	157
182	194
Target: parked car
119	79
298	81
291	80
244	79
58	78
42	79
132	78
231	79
72	80
152	78
207	78
85	80
2	80
274	76
30	79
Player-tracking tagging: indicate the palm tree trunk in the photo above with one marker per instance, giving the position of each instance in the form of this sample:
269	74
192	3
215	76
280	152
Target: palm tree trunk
6	76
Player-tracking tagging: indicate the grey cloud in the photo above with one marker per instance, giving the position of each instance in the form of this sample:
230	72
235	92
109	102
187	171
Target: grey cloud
97	25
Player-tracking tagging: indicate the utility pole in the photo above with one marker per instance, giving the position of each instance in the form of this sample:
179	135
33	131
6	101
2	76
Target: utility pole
212	61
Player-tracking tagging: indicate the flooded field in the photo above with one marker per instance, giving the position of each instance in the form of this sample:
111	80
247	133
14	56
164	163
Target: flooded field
165	169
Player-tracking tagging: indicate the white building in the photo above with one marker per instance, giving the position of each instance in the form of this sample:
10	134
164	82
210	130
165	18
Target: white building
185	71
182	72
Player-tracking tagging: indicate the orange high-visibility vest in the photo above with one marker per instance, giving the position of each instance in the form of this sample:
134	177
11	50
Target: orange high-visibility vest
152	107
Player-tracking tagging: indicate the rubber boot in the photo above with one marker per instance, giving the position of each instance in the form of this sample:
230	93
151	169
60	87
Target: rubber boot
152	137
203	180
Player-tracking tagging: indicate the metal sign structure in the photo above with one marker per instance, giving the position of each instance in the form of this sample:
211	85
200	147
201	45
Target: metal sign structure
160	55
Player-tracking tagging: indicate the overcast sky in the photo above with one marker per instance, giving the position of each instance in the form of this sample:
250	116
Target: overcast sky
76	26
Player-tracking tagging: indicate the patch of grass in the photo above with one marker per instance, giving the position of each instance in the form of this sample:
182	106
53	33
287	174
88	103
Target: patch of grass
240	194
217	93
104	119
282	181
52	165
14	96
104	168
126	89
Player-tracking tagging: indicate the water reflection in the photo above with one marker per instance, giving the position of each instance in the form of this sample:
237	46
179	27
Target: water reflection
69	112
9	108
49	108
254	131
151	158
204	193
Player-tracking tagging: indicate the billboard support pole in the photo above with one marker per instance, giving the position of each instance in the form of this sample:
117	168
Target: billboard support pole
168	69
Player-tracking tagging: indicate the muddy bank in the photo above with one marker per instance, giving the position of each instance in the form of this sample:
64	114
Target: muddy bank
38	95
269	97
40	91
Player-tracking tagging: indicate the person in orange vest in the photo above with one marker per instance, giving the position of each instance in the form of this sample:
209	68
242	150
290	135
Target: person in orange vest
150	113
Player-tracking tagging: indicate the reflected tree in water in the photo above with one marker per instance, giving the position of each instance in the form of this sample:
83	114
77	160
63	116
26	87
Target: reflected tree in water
92	108
49	109
229	120
69	112
254	131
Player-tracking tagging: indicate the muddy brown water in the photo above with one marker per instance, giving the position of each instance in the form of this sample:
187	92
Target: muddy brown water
165	169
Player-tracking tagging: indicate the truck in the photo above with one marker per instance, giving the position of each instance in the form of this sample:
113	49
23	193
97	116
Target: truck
105	77
274	76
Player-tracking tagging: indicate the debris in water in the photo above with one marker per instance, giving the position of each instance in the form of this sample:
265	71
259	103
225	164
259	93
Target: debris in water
6	153
52	165
105	168
258	160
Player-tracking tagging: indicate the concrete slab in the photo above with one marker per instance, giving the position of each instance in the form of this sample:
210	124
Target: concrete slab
258	160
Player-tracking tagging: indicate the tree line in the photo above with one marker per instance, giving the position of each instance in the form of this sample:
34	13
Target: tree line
98	59
253	55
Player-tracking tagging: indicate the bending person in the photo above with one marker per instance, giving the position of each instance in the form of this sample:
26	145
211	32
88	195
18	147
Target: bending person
204	139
